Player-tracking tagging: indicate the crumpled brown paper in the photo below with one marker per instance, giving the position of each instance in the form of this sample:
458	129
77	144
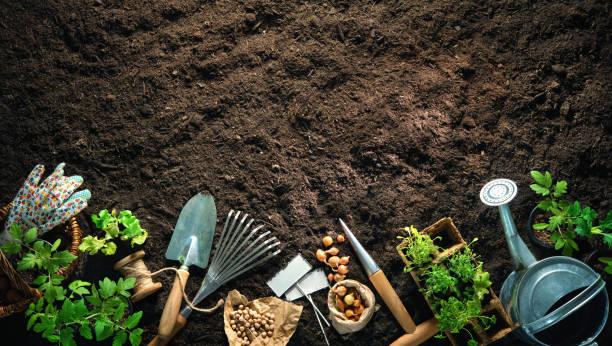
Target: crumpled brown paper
338	320
287	316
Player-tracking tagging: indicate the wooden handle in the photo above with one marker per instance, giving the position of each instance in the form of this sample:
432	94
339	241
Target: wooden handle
178	325
393	302
422	333
173	305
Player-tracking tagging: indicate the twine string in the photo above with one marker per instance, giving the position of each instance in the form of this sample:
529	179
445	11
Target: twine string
138	270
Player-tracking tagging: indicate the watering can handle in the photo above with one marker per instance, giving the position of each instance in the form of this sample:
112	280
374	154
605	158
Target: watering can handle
574	304
521	256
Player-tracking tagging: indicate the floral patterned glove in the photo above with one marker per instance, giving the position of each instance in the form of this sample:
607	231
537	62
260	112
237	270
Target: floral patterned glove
46	205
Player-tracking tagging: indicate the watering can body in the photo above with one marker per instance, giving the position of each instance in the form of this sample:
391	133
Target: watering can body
557	300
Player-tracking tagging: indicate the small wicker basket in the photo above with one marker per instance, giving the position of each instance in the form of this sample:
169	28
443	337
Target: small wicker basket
74	233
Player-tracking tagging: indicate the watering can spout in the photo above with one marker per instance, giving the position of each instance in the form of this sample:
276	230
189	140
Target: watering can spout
500	192
521	256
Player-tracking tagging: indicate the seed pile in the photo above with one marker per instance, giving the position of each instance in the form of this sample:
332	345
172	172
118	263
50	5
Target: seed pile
248	324
339	265
349	302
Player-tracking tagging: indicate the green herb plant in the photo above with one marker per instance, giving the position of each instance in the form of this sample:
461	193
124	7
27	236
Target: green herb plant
124	226
568	219
454	288
98	312
419	249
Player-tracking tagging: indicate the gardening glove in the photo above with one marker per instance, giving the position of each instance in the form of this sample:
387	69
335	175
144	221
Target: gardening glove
46	205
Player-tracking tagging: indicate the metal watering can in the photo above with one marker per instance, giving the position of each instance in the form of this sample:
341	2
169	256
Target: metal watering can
558	300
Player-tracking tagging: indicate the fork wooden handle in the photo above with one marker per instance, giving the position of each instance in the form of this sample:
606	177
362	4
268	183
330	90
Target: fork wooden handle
173	304
422	333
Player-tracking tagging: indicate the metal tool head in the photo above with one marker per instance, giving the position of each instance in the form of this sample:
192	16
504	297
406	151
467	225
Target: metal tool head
498	192
188	255
289	275
312	282
197	220
366	260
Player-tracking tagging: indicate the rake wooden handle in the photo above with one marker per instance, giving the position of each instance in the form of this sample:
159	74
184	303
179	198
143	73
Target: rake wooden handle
393	302
422	333
173	304
178	325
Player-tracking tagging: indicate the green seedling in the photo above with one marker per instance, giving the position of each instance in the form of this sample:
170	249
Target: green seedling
419	249
608	262
124	226
568	219
454	315
438	280
100	311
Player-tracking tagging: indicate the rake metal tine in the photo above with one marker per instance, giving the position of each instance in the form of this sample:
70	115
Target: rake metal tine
248	259
239	259
230	231
232	260
220	241
256	263
235	239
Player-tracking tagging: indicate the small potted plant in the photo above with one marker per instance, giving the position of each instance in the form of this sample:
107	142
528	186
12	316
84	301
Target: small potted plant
558	223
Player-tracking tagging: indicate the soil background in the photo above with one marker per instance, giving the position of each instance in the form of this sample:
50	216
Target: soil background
384	113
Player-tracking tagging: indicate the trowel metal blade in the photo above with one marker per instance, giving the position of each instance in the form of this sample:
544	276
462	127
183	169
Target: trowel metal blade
289	275
313	281
198	218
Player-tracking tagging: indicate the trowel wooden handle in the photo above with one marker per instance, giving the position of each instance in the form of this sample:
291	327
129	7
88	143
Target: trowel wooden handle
178	325
173	304
422	333
393	302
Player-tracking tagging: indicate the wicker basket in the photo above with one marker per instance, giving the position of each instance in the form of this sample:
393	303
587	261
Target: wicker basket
74	233
447	229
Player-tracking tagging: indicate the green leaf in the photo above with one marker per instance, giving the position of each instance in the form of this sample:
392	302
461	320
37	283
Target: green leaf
109	249
540	190
135	337
30	235
11	248
32	320
85	331
472	342
107	288
538	177
560	188
546	205
555	236
56	279
560	244
556	221
583	228
120	338
607	238
140	239
607	222
28	261
540	226
16	232
102	330
56	244
574	210
91	244
132	320
63	258
547	179
589	214
572	244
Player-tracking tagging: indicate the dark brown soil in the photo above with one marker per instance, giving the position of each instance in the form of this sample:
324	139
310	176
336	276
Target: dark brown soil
384	113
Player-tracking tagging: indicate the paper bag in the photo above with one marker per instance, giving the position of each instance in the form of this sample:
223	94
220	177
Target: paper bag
286	319
338	320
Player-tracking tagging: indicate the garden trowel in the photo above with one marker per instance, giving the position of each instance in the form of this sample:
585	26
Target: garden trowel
190	245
